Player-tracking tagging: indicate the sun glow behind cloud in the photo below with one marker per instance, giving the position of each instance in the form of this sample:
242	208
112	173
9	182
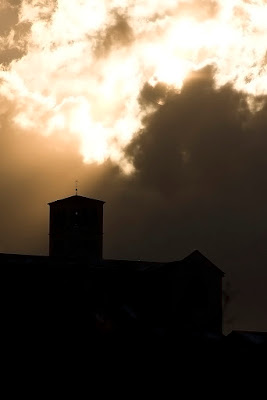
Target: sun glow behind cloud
87	62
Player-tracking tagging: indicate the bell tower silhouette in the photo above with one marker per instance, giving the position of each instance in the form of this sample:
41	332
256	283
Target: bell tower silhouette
76	228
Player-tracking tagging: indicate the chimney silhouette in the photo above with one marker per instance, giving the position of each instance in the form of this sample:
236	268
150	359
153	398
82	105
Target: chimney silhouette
76	228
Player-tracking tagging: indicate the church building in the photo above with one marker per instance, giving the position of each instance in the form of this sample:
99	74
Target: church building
76	286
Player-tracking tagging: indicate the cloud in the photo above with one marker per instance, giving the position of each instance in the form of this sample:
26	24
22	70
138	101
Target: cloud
79	69
199	178
117	34
8	18
13	33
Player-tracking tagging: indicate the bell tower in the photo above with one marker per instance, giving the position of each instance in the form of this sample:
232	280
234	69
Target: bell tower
76	228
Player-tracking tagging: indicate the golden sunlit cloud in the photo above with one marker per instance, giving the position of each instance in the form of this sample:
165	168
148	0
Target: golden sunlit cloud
88	60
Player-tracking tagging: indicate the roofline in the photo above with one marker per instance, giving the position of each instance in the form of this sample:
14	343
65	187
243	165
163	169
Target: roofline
197	252
81	197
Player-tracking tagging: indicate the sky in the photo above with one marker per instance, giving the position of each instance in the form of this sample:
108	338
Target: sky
157	108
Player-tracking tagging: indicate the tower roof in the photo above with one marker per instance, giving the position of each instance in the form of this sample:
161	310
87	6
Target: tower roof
77	199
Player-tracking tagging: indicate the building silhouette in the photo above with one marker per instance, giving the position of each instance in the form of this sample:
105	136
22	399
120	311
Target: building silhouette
75	290
76	228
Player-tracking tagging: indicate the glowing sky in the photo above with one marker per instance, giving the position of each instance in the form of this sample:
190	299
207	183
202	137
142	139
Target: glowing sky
81	65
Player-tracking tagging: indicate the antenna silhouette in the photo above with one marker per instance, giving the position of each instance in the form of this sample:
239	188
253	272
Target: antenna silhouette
76	187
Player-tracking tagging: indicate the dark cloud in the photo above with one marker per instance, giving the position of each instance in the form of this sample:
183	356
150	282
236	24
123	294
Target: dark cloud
8	55
202	154
18	47
8	18
13	34
153	96
117	34
15	2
